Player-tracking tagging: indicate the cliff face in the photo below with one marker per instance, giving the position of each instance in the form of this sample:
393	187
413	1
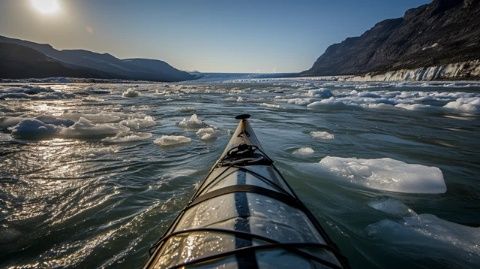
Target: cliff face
434	35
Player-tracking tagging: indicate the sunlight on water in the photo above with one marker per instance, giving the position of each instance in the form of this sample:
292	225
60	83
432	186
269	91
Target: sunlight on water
91	175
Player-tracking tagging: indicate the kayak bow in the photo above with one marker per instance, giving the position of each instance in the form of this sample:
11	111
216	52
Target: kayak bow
245	215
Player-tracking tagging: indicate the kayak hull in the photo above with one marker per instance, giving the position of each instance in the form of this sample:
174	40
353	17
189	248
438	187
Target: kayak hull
245	215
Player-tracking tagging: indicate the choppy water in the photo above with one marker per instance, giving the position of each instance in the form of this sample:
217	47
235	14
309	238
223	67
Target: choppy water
85	180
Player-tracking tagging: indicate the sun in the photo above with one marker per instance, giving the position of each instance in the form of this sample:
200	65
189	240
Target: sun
46	7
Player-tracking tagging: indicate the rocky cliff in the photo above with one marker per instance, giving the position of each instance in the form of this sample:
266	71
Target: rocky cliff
443	35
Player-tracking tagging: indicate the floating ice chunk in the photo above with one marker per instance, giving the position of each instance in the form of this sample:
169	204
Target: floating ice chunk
207	134
326	102
33	129
426	232
55	121
172	140
469	105
304	151
34	93
84	128
6	122
322	135
270	105
139	123
319	93
387	174
368	94
392	207
130	92
193	123
125	137
377	106
413	106
299	101
104	117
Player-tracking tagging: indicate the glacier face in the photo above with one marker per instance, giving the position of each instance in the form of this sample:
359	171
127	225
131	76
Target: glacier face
452	71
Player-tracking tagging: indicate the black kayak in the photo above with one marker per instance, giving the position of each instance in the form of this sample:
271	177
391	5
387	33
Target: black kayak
245	215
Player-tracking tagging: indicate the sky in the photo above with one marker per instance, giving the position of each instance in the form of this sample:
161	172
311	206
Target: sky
201	35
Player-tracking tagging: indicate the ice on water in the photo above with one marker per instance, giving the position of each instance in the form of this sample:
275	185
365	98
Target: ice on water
408	230
172	140
192	123
130	92
387	174
322	135
207	134
304	151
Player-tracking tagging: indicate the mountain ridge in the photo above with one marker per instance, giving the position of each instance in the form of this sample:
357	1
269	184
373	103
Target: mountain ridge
92	64
440	33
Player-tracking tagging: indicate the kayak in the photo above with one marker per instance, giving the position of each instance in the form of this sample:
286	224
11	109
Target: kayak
244	214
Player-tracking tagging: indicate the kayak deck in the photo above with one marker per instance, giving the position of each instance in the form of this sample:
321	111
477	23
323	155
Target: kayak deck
245	215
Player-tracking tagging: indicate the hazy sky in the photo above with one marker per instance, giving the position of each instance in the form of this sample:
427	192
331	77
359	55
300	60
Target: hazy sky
203	35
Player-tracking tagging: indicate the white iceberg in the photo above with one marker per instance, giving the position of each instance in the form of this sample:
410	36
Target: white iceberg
139	123
86	129
33	129
322	135
468	105
387	174
172	140
303	151
426	234
207	134
130	92
192	123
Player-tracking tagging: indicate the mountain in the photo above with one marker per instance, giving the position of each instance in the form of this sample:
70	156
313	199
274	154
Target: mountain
22	62
81	63
442	35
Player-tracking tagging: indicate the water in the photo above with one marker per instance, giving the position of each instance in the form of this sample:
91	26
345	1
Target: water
88	187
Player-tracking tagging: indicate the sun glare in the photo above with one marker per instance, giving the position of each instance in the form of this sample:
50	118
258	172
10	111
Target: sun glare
46	7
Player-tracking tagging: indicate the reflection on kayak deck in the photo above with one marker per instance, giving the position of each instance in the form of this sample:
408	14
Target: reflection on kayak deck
245	215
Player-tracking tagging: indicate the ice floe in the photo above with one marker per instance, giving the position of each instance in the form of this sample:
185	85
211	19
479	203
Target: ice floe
172	140
139	123
192	123
130	92
392	207
413	106
387	174
86	129
47	126
413	232
207	134
33	129
6	122
100	117
320	93
322	135
463	102
469	105
270	105
33	93
299	101
125	137
303	151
